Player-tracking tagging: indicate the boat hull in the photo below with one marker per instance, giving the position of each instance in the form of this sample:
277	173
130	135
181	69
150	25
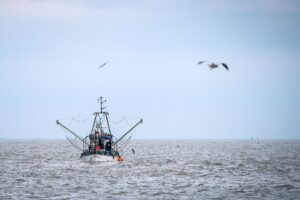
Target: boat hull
98	158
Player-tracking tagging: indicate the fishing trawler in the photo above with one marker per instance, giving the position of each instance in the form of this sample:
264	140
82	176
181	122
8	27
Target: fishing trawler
100	145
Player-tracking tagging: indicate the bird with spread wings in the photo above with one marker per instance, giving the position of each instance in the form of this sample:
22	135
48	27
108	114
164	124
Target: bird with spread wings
213	65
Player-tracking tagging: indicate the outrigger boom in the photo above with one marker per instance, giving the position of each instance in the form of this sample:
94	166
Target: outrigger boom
141	121
77	136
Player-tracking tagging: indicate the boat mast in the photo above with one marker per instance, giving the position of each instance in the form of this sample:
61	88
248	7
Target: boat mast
105	114
100	100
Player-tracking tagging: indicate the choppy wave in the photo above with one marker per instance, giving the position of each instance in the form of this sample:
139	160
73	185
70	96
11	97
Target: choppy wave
160	169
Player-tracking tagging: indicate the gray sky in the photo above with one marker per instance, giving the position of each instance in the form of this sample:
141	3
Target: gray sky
50	52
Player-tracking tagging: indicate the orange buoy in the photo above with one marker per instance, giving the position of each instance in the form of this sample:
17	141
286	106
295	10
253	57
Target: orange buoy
120	159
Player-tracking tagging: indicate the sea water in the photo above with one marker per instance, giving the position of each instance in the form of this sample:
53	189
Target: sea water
159	169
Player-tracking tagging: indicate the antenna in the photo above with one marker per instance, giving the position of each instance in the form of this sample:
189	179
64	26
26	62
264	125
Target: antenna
100	100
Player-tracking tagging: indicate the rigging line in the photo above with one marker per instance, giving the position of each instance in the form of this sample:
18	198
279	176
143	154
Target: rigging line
66	132
82	120
126	143
77	120
74	118
127	152
118	115
127	122
116	122
70	122
88	118
72	143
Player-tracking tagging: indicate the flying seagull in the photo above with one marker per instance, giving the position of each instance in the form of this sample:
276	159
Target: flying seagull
213	65
102	65
201	62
